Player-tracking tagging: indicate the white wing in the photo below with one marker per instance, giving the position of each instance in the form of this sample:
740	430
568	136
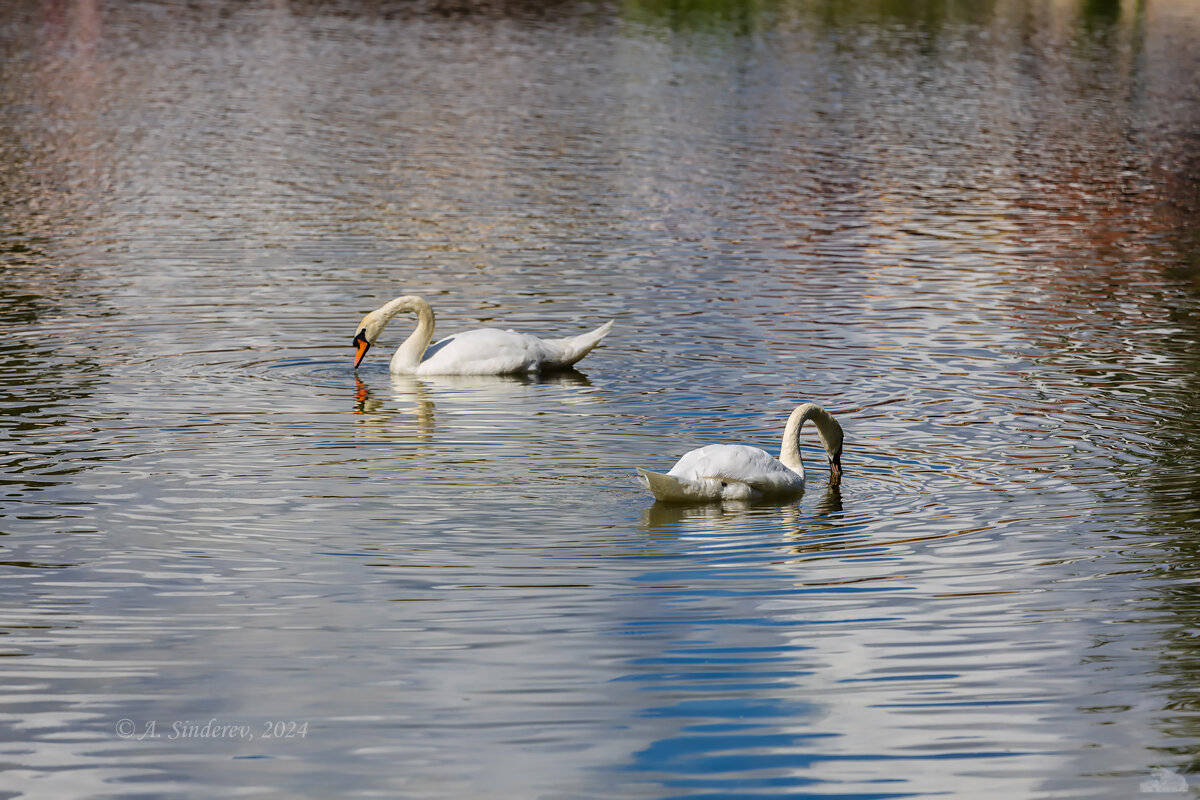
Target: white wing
491	351
486	351
732	466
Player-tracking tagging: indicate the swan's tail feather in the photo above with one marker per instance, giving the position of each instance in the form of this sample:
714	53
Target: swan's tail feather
670	488
576	347
689	490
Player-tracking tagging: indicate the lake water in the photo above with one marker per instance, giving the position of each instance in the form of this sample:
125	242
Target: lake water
234	567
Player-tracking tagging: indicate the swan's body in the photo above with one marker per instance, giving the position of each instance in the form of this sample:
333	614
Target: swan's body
741	472
484	351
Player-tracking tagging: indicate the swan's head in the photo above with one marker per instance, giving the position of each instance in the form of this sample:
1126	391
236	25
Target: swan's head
832	437
828	430
367	332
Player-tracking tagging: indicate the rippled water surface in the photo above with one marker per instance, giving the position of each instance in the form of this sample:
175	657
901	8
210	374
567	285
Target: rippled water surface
233	566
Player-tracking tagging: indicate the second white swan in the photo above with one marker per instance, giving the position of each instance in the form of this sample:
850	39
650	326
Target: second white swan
742	472
484	351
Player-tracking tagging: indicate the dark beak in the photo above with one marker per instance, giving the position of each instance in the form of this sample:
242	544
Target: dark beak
363	346
835	466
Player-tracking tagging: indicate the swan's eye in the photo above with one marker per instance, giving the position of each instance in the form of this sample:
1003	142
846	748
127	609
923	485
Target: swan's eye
360	336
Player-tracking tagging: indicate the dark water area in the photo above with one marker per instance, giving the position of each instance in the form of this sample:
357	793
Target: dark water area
230	563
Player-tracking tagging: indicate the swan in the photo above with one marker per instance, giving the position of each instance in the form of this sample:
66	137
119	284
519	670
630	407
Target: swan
741	472
485	351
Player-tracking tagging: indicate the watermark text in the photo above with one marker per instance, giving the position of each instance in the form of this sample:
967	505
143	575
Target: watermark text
181	729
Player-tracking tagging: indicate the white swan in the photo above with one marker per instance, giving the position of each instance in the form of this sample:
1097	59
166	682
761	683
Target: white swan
741	472
485	351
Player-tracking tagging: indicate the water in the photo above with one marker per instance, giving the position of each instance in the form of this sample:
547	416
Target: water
232	565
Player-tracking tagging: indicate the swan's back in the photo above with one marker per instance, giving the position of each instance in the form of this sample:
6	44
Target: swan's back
491	351
737	462
486	351
723	471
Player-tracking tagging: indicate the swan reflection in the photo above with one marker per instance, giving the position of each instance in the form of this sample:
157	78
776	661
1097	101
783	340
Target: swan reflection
793	520
491	385
414	411
413	404
823	531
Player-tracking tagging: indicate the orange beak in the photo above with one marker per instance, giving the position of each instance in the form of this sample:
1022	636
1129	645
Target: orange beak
363	346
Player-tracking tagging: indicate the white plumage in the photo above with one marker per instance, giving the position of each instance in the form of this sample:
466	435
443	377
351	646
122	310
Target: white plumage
484	351
742	472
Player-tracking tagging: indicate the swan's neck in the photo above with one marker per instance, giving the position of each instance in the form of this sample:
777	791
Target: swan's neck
828	430
408	355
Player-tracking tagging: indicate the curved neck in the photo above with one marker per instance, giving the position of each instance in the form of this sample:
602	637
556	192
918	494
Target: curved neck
408	355
828	430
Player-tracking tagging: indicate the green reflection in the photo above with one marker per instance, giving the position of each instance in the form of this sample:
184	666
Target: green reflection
928	16
1097	13
744	16
740	16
